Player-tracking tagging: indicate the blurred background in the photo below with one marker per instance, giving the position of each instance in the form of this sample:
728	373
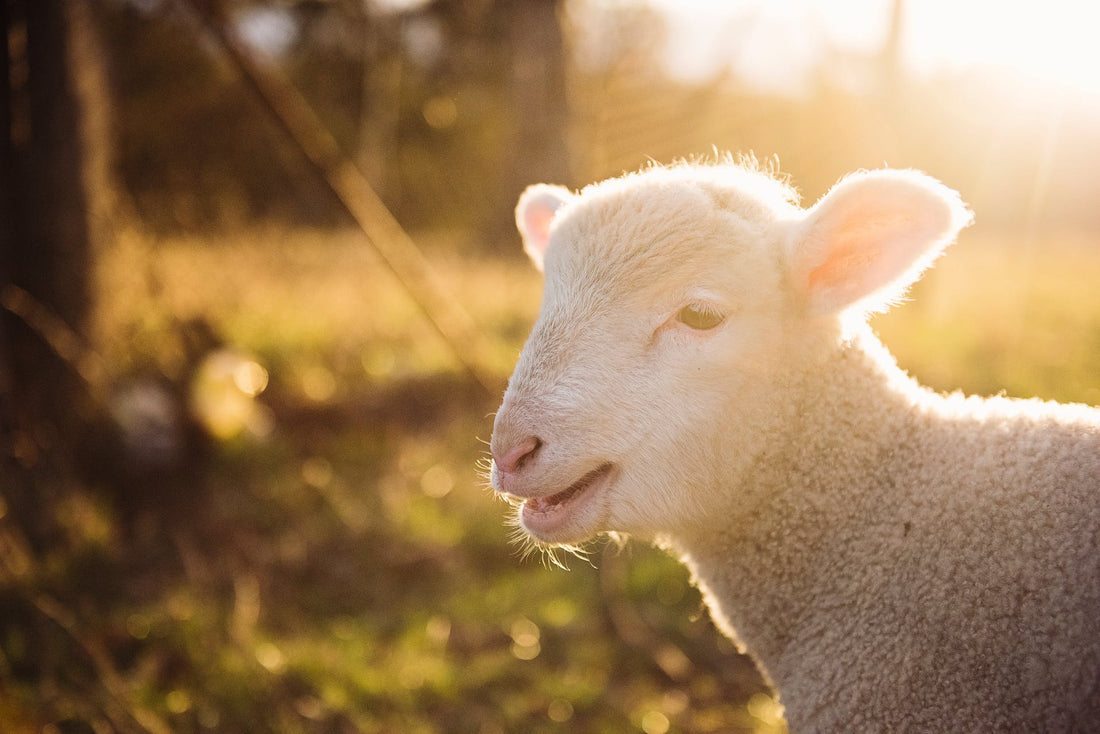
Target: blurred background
260	292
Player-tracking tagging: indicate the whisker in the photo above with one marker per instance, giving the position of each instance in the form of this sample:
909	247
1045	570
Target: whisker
551	554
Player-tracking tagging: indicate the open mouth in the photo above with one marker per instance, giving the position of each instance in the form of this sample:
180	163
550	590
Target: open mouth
544	515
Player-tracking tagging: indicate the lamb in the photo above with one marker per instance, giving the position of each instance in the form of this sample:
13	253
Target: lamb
702	375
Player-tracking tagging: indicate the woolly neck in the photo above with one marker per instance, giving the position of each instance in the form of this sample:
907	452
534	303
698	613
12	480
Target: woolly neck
859	573
768	570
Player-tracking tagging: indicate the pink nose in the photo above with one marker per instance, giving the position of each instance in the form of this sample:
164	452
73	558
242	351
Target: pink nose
513	459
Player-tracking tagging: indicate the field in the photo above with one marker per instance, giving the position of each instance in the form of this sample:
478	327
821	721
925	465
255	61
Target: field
332	560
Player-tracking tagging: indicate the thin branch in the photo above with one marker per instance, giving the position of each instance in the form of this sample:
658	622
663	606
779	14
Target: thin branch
396	248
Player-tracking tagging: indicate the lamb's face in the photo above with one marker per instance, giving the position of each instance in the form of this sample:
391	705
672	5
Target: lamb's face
659	315
680	306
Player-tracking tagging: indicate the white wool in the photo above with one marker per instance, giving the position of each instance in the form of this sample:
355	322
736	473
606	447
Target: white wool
701	375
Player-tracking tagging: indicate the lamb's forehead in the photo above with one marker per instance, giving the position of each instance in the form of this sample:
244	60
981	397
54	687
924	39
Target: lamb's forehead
662	220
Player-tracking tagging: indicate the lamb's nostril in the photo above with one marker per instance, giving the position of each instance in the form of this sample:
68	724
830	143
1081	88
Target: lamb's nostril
515	458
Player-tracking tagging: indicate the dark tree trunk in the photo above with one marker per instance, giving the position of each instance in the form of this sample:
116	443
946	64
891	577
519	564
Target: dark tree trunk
44	254
48	251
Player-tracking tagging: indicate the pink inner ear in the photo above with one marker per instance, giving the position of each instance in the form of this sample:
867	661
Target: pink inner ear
844	260
851	272
871	237
866	256
534	216
536	224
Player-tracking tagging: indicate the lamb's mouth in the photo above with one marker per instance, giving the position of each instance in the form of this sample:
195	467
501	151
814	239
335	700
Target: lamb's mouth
543	515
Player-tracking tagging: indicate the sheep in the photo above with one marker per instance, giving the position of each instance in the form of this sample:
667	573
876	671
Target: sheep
702	375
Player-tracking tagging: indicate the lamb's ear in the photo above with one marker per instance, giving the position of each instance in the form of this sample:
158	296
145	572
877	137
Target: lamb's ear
867	240
534	213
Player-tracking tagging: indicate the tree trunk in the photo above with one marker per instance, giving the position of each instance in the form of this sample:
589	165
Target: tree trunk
48	252
44	256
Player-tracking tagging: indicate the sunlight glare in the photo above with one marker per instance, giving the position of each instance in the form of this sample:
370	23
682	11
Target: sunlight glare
1052	43
778	45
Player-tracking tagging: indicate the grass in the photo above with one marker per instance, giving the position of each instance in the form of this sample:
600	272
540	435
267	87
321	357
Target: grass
339	566
1000	314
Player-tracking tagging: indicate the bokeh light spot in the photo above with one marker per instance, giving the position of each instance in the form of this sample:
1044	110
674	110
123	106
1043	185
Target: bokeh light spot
559	611
525	639
317	471
440	112
437	482
310	707
271	657
138	626
654	722
223	394
438	630
765	708
178	701
560	710
318	383
250	377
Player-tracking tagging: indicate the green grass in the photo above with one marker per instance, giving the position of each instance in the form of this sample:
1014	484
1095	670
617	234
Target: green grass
346	570
1001	314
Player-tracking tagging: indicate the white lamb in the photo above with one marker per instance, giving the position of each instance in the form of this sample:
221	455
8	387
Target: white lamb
701	374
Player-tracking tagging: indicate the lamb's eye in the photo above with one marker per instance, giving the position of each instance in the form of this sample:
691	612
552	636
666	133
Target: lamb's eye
699	317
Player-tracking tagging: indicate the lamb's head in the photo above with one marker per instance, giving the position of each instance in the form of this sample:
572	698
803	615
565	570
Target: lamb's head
678	305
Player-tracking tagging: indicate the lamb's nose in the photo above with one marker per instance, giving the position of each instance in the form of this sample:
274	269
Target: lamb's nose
513	459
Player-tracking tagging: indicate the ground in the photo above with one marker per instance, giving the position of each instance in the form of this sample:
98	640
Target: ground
326	557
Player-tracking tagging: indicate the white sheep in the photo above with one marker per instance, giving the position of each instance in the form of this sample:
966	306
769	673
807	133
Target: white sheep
701	375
